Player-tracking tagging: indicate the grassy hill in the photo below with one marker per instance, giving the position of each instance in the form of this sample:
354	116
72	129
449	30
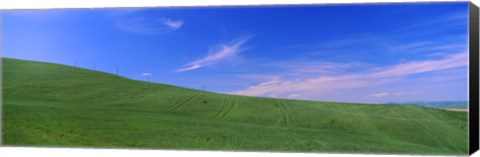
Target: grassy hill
48	104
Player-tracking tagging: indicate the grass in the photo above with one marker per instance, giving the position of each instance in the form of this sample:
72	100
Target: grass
48	104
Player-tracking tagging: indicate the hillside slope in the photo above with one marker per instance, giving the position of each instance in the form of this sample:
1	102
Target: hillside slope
48	104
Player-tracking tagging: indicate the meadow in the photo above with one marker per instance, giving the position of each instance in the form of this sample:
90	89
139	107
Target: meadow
53	105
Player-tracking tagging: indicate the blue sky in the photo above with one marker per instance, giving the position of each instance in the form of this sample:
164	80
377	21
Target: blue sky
369	53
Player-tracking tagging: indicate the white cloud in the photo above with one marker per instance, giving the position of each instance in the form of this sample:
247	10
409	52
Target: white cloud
224	51
147	74
133	21
293	95
382	94
192	67
173	24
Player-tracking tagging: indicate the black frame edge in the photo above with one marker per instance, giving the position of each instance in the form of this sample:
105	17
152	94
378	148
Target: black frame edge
474	78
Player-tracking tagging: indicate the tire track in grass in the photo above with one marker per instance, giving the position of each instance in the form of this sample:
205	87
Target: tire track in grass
280	112
426	129
223	106
366	122
337	120
437	137
174	96
305	119
231	107
283	121
350	123
179	105
177	97
185	101
285	111
105	93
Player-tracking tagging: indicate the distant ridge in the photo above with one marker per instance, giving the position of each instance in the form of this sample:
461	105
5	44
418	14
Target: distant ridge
439	104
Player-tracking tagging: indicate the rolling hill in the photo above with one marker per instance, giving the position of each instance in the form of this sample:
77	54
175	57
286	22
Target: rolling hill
47	104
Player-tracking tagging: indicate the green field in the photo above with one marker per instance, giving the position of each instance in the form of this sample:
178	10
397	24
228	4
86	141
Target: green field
48	104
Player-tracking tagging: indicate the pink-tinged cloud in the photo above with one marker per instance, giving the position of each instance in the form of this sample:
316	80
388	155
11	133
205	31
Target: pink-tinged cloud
324	84
310	85
382	94
452	61
224	52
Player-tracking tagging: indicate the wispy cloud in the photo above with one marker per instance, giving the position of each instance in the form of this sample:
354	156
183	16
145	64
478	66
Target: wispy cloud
322	84
415	67
293	95
431	47
147	74
146	26
134	21
447	21
382	94
220	53
344	42
173	24
390	94
410	46
307	67
40	15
